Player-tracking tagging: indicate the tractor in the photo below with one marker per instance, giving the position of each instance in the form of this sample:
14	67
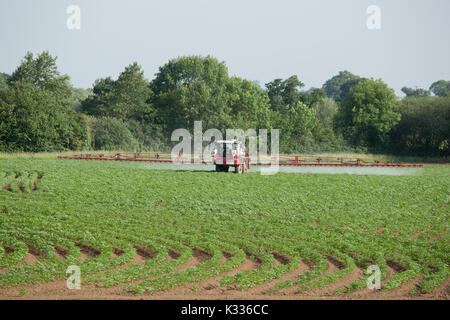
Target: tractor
230	153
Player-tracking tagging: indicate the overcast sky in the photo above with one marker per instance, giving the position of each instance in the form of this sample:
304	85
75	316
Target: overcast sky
258	39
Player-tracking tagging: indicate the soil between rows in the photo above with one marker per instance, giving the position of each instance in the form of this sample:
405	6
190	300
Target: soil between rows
210	288
57	290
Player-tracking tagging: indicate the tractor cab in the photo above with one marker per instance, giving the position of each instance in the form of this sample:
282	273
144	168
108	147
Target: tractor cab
230	153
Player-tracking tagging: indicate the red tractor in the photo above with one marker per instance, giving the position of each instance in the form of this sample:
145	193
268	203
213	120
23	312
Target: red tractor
230	153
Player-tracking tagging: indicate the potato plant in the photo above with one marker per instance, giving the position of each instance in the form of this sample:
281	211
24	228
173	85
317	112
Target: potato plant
100	215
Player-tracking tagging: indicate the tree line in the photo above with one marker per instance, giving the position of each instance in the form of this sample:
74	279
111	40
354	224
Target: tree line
41	111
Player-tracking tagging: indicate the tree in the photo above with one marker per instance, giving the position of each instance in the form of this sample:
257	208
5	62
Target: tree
294	112
78	96
416	93
424	127
347	86
296	125
32	120
326	110
24	120
275	94
35	113
249	105
192	88
126	98
2	82
42	73
129	99
110	133
283	93
131	95
99	102
368	114
312	96
441	88
338	86
3	78
291	87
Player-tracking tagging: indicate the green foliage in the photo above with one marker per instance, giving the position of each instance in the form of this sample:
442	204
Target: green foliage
294	112
416	93
35	109
312	96
33	120
125	98
22	291
338	86
111	134
338	291
149	136
41	111
249	105
42	73
296	124
441	88
98	103
283	93
424	127
78	96
326	109
161	211
192	88
368	114
3	78
199	88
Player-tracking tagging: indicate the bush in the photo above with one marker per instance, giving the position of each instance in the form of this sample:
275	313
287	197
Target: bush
423	129
111	134
32	120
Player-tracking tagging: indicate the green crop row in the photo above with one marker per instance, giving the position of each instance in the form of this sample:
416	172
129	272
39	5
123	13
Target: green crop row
100	215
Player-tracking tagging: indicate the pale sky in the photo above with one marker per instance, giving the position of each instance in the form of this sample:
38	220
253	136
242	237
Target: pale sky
258	39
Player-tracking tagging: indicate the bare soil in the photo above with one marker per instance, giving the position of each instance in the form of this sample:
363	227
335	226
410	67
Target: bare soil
211	289
86	251
7	186
57	290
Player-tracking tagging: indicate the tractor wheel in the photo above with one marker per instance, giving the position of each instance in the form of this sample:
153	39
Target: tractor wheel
238	169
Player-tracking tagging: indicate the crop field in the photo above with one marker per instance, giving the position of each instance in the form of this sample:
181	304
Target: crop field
168	233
